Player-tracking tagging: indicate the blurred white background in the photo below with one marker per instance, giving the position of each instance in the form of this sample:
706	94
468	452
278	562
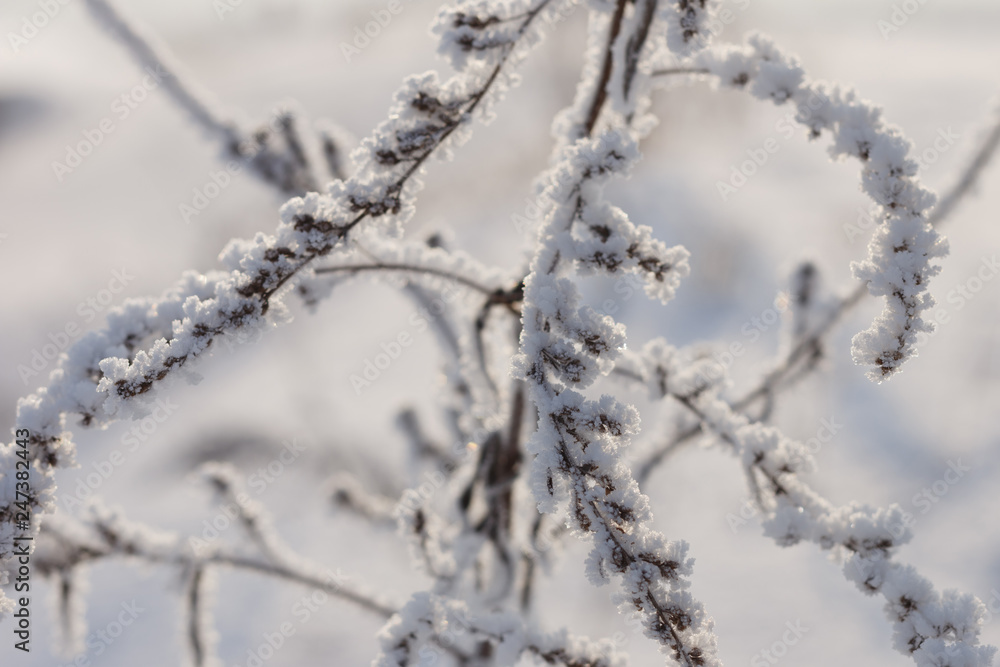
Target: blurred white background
61	241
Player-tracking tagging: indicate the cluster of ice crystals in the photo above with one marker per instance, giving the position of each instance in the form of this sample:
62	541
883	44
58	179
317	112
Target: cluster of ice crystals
904	246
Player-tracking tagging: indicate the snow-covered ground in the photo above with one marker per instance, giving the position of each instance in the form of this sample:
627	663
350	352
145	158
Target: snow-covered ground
114	223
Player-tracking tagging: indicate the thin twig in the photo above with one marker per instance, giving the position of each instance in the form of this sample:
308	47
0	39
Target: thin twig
195	601
970	176
806	352
122	548
671	71
601	92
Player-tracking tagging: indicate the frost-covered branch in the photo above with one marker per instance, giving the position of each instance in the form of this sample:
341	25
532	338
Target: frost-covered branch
802	356
254	520
279	152
577	447
934	628
565	346
380	267
500	637
510	464
970	176
152	56
347	493
806	350
71	546
66	547
904	245
199	621
104	374
674	71
600	92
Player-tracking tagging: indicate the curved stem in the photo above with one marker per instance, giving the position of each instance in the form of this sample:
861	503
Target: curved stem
407	268
808	347
601	91
670	71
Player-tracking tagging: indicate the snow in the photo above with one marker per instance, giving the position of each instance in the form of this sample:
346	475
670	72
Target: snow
897	435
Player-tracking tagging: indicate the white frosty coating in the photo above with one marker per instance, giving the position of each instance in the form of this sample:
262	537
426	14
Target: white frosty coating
936	629
900	254
681	25
71	545
72	390
577	448
448	288
433	541
688	24
69	608
227	482
430	626
104	373
198	630
806	303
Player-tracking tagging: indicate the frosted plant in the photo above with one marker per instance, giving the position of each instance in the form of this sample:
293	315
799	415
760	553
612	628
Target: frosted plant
901	251
524	354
